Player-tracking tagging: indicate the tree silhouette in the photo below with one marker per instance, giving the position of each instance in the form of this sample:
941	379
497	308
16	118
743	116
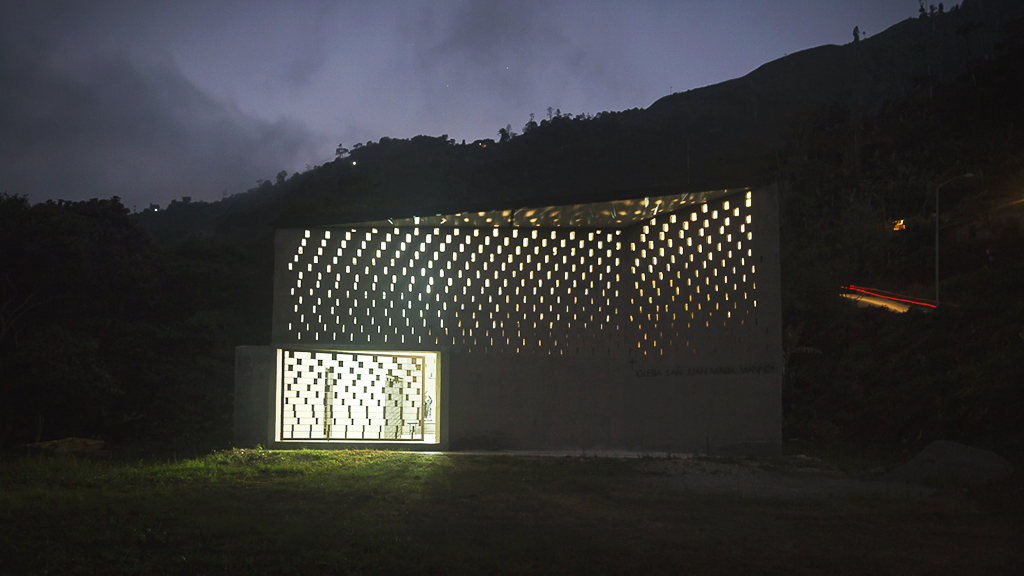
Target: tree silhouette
530	125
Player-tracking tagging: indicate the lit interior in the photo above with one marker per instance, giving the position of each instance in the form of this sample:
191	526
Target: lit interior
358	396
611	214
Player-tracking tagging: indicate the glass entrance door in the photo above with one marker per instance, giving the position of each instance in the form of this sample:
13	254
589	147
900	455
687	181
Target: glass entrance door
358	396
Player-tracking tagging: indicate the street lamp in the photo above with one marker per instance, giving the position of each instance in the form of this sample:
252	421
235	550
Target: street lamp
937	188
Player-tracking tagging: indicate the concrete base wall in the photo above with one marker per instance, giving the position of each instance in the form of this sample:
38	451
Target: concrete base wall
559	403
538	402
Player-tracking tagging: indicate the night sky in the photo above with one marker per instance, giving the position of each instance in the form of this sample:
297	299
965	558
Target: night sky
152	101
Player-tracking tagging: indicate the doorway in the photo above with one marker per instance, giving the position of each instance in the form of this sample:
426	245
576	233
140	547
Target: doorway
360	396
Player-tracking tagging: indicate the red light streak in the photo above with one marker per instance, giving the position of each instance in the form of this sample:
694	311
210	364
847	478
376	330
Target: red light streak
888	295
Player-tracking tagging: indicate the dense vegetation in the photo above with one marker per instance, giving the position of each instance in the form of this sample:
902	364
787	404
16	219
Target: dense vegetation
124	326
954	373
108	334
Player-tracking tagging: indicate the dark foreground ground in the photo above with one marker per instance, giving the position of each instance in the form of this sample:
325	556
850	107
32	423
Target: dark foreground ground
365	512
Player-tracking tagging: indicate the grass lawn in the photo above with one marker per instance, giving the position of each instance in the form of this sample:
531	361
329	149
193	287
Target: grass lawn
369	512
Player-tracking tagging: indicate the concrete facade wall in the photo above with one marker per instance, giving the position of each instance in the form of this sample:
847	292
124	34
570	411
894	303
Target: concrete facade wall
664	335
255	384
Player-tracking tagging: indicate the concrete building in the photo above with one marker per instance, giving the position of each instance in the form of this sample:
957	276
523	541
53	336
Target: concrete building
646	324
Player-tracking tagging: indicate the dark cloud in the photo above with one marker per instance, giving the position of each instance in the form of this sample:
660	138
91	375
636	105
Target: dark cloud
79	122
507	48
303	65
492	33
307	51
